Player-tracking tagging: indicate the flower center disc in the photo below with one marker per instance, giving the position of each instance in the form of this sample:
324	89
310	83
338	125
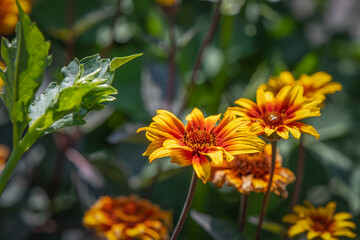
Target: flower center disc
199	140
321	223
273	119
258	168
129	212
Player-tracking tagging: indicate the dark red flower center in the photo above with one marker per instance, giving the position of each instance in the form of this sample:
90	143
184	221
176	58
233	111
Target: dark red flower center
273	119
199	140
321	223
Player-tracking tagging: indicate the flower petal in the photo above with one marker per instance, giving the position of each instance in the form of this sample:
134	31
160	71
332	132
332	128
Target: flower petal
182	157
196	120
202	167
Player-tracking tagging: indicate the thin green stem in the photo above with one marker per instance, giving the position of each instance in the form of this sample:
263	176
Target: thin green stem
299	174
15	135
17	152
267	194
186	207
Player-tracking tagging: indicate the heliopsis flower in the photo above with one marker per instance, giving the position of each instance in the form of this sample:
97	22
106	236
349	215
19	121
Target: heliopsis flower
167	3
200	141
125	218
275	84
316	86
2	66
9	14
4	154
251	173
320	223
274	116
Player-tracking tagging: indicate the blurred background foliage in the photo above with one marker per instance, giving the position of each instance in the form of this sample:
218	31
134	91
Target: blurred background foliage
59	178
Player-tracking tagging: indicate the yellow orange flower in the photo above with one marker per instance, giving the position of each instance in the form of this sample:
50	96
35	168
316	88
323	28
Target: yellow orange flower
125	218
2	66
251	173
200	141
320	223
316	86
167	3
4	154
275	84
9	14
274	116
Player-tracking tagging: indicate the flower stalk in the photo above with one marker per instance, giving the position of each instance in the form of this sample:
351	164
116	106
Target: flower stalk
243	211
171	65
186	208
209	36
267	194
299	174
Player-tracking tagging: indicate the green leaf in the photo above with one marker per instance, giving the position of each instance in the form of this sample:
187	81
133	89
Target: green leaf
118	61
273	227
217	228
26	58
86	85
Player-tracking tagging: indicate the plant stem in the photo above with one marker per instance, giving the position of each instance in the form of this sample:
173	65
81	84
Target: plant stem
299	174
205	43
186	207
18	150
16	153
299	179
171	66
243	211
267	194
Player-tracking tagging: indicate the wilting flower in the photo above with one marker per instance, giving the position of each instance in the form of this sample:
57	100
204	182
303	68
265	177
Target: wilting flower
274	116
9	14
167	3
4	154
251	173
316	86
125	218
320	223
200	141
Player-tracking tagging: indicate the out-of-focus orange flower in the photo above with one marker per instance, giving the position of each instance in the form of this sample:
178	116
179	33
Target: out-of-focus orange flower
9	14
2	66
199	141
274	116
319	223
316	86
167	3
4	154
126	218
251	173
276	83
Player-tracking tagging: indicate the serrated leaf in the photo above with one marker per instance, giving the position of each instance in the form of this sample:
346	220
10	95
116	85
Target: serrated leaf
217	228
26	58
86	85
119	61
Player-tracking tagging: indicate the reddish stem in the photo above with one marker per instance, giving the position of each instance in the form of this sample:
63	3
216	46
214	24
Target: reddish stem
186	207
267	194
243	211
198	61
